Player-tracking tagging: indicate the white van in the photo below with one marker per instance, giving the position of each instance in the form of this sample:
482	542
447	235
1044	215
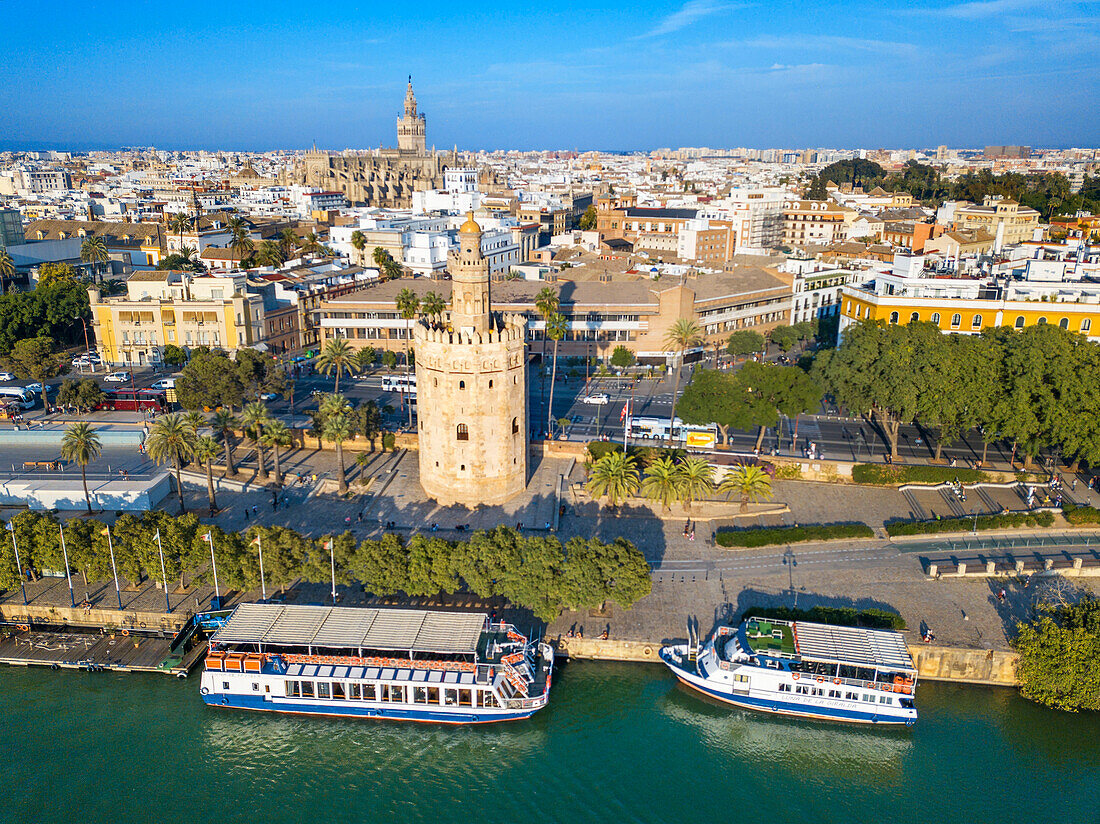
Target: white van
164	384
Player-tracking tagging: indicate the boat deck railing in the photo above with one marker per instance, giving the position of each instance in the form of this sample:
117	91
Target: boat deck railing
901	685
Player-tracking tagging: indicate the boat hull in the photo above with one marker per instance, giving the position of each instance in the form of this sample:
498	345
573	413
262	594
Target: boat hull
351	710
669	655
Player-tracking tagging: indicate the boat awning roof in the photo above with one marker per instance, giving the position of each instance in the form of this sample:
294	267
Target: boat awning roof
878	648
351	628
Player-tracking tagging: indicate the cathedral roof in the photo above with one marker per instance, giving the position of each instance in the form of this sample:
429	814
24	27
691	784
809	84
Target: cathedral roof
470	226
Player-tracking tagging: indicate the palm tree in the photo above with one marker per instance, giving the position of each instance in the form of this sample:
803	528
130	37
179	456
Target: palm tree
288	242
225	424
682	335
241	243
196	420
433	306
172	438
615	476
94	250
662	482
179	222
696	479
750	482
337	428
206	450
337	356
547	304
359	243
364	359
7	268
270	253
311	244
81	444
555	330
381	258
277	434
407	305
255	417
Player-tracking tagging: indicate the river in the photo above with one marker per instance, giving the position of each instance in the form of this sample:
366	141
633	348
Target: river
618	743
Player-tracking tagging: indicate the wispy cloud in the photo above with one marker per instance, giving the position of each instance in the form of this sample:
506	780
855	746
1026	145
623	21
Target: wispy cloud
690	12
985	8
824	42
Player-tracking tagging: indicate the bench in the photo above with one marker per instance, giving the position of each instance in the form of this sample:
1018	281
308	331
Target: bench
53	465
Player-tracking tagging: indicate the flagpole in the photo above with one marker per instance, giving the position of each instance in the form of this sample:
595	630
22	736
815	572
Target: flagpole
214	565
68	574
332	557
18	563
114	568
163	574
263	583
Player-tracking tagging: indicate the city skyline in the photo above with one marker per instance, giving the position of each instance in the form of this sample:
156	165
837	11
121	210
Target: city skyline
700	73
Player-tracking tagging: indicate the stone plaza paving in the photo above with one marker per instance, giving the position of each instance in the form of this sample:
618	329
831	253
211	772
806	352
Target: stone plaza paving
692	579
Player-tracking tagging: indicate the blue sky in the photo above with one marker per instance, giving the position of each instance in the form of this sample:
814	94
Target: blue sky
595	75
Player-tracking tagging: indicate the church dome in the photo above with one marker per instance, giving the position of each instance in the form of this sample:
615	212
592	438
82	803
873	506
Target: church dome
470	226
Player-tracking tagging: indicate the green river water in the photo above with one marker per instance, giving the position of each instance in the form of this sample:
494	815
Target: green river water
618	743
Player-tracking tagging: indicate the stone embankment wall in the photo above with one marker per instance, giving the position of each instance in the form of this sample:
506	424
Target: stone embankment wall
935	663
108	618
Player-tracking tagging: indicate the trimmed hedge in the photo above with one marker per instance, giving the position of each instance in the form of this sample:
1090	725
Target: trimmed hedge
600	449
767	536
1078	515
887	474
838	616
1015	519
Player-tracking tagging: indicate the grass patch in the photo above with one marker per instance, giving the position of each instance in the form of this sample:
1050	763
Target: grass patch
837	616
1016	519
888	474
769	535
1078	515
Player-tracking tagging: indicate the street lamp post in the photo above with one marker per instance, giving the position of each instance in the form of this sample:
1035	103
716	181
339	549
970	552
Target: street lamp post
974	530
87	347
790	563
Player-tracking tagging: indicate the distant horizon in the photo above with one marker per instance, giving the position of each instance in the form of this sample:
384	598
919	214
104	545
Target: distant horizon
259	77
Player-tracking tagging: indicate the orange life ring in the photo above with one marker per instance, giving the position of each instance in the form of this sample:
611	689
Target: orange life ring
125	632
820	680
836	680
869	685
24	628
795	676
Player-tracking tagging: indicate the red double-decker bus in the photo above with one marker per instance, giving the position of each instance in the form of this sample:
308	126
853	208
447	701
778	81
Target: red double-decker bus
135	400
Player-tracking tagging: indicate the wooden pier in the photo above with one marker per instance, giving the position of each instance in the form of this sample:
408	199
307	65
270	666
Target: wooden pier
107	651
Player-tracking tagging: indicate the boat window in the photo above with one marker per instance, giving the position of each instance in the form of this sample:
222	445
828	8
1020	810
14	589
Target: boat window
370	692
307	689
870	699
420	695
773	664
338	690
433	695
356	691
856	673
465	698
906	702
292	689
834	693
491	700
852	696
383	692
450	697
743	678
784	687
323	690
255	686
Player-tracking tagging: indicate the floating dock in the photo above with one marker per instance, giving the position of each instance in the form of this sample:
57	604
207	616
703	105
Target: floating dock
24	646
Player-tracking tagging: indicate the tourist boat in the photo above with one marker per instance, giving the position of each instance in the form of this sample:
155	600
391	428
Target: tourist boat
800	668
404	664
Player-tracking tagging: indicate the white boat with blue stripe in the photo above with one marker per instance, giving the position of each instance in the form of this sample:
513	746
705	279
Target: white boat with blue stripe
401	664
804	669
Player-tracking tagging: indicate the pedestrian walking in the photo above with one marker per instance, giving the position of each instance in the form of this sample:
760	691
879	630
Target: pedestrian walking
246	513
255	510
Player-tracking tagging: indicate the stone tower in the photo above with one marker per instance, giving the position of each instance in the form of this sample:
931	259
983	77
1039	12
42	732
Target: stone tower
411	129
471	386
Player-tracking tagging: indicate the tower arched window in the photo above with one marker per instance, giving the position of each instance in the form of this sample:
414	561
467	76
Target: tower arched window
462	433
515	425
1064	323
490	383
462	384
956	319
1020	322
936	318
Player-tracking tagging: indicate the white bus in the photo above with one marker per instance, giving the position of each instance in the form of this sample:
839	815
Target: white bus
400	383
19	395
693	436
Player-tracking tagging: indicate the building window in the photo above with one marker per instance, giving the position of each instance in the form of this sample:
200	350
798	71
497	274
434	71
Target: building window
490	383
463	432
1086	324
956	319
462	384
1020	322
936	318
1063	323
1041	321
976	323
913	318
893	317
515	425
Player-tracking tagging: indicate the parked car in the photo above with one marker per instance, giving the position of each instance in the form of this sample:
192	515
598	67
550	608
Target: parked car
599	399
37	388
164	384
117	377
268	396
6	376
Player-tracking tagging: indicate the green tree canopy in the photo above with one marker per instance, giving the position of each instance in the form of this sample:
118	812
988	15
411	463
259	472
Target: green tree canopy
1059	663
745	342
